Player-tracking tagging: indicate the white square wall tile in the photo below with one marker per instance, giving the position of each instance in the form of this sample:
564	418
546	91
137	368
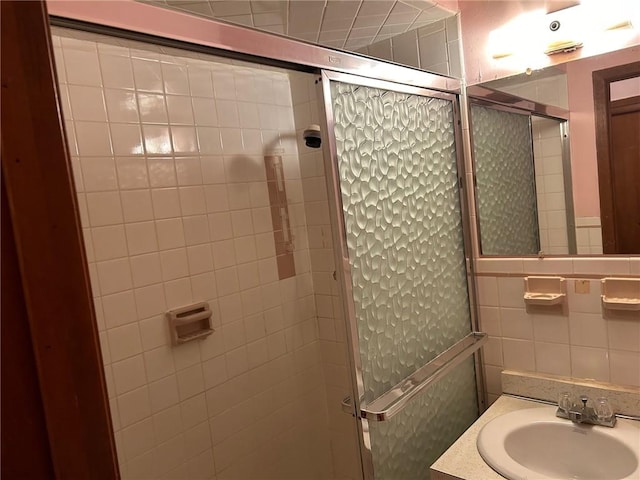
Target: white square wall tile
209	140
104	208
624	333
154	332
124	342
175	79
136	205
200	82
511	292
166	203
186	356
145	269
157	140
174	264
584	302
215	371
200	259
518	354
194	411
93	139
114	276
184	139
129	374
551	328
134	406
487	291
132	172
192	200
180	110
178	293
122	106
126	139
188	171
553	358
516	323
162	172
242	223
119	309
87	103
147	75
109	242
588	329
150	301
163	393
141	237
196	229
82	67
224	254
159	363
137	439
203	287
590	363
204	112
625	367
167	424
117	71
170	233
190	382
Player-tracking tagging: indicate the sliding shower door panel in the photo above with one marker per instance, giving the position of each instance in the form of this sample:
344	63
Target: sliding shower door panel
505	182
395	154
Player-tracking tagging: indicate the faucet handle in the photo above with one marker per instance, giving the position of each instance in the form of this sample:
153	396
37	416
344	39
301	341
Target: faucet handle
604	410
565	401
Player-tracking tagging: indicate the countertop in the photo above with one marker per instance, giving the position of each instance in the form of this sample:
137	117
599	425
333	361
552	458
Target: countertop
462	460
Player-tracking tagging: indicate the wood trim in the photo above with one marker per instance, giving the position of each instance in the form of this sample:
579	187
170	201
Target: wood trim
625	105
25	446
41	197
601	99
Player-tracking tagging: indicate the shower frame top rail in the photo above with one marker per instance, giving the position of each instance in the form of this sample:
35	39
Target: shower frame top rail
394	400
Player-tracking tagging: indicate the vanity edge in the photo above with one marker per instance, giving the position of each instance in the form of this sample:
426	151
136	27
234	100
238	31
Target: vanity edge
462	460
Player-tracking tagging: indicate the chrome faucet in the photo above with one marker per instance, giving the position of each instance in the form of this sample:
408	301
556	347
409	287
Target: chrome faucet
601	415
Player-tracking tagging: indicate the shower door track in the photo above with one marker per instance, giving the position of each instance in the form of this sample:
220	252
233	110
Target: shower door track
175	29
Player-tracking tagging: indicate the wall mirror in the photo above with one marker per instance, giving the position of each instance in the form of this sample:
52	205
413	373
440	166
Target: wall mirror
557	160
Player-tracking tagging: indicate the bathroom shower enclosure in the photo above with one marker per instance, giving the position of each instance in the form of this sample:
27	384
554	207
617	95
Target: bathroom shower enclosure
398	235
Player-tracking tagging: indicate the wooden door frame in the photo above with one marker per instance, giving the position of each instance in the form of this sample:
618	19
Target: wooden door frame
602	113
53	272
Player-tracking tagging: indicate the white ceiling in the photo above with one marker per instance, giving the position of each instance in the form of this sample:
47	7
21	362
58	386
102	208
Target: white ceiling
346	24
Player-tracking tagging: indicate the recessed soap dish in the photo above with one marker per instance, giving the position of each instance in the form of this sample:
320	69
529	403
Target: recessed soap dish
544	290
621	293
190	323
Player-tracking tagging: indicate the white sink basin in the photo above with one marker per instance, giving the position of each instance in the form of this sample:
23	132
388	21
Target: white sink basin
535	444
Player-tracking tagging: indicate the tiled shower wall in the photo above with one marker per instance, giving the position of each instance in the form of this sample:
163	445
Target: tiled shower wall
552	215
580	340
305	91
167	150
435	48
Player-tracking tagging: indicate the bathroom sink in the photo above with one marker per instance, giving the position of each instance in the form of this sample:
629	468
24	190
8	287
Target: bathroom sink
534	444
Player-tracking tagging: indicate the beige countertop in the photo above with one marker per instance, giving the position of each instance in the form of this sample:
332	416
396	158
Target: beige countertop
462	460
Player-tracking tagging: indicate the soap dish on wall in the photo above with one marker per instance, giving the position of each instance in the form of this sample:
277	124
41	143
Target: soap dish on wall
544	290
621	293
190	323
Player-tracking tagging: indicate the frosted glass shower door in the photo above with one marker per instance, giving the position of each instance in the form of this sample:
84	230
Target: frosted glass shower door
505	182
398	208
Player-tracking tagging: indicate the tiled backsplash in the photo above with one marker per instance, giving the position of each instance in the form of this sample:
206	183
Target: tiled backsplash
583	341
167	149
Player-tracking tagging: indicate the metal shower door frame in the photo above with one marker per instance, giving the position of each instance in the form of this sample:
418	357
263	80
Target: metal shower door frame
509	103
341	252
